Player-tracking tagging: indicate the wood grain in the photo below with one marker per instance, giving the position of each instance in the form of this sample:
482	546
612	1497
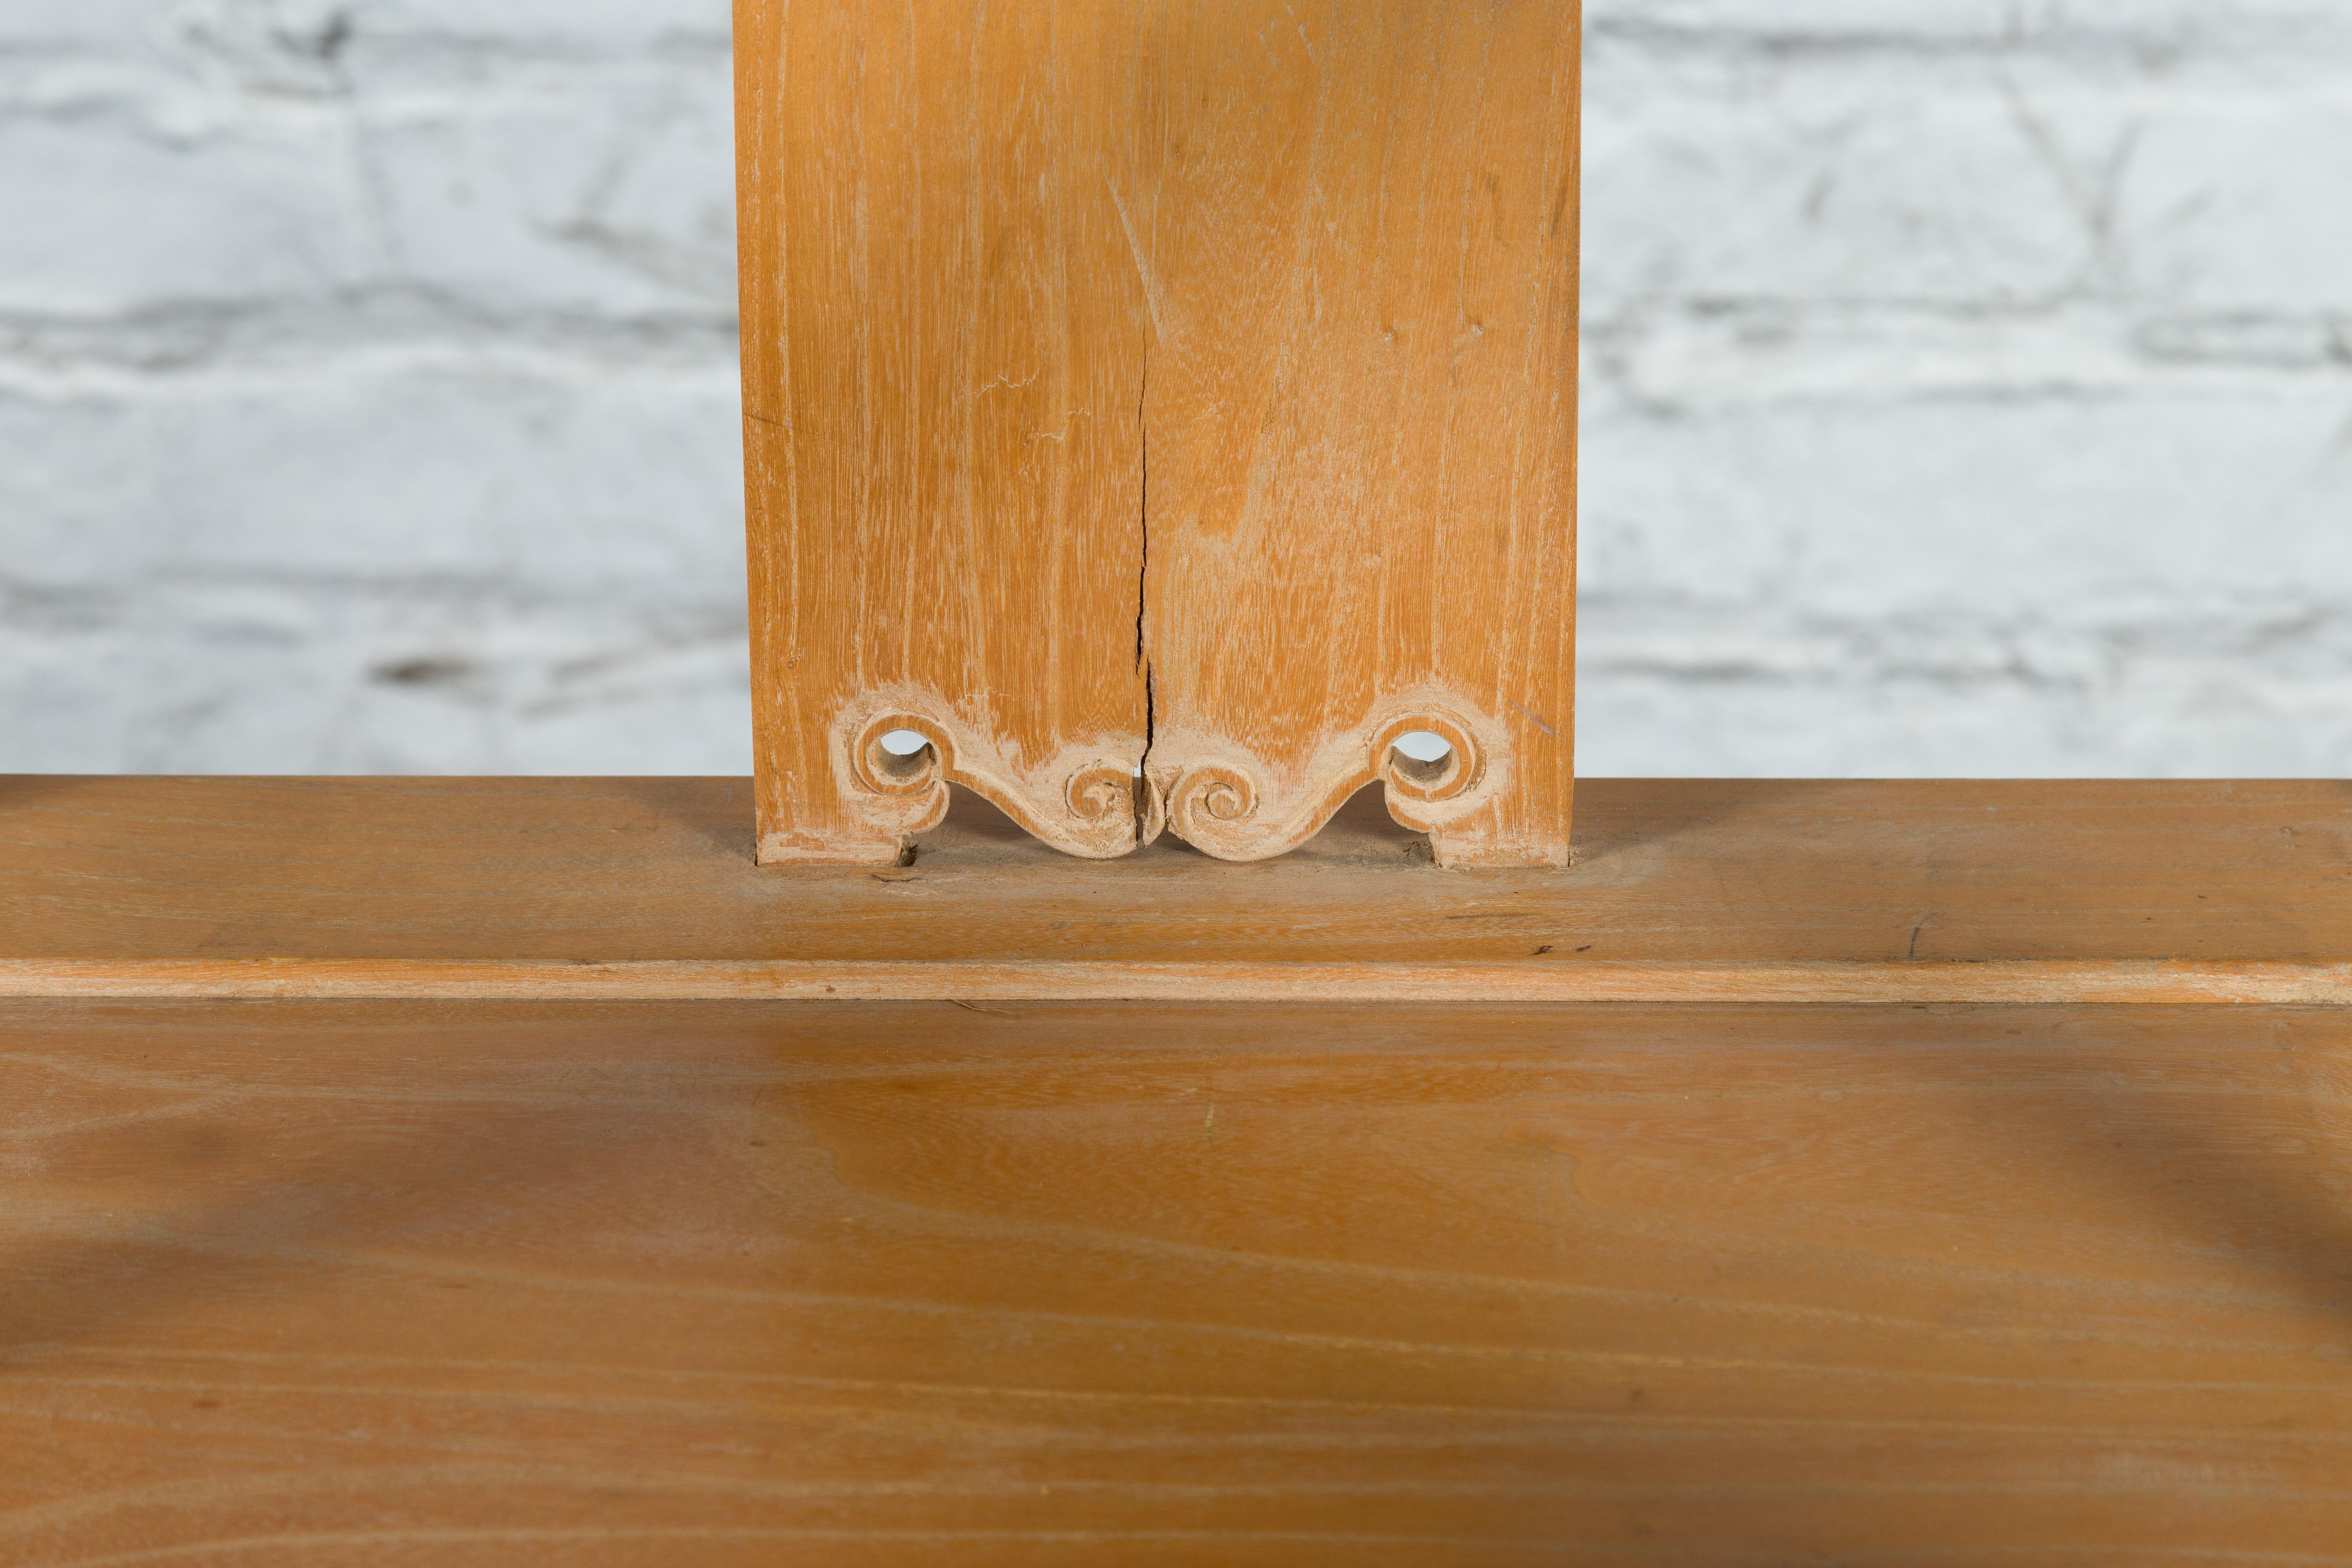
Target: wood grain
2134	982
1189	386
941	363
1717	890
369	1284
1359	222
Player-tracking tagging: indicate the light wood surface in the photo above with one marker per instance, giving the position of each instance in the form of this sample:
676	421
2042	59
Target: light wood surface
1359	222
1189	386
455	1284
942	357
2139	983
1717	890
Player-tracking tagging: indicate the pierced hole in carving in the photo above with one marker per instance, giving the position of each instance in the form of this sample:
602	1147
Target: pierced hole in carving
902	755
1423	756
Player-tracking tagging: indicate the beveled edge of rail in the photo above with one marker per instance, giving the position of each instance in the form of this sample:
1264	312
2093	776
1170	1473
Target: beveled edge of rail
2154	981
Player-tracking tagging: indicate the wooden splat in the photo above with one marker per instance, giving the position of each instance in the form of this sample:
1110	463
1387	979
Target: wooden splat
1182	387
1359	223
942	358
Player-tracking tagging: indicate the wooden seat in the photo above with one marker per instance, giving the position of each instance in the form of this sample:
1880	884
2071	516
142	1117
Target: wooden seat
402	1277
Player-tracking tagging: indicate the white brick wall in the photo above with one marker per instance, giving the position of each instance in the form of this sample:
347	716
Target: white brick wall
367	386
1969	386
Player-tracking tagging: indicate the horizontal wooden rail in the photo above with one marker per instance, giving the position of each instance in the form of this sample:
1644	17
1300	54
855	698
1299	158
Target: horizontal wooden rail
1730	891
2149	982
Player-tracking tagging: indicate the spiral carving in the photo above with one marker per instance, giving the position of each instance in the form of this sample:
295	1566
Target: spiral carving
1081	799
1209	801
1102	793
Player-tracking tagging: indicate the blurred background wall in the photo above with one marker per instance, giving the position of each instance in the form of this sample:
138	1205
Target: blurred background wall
1969	387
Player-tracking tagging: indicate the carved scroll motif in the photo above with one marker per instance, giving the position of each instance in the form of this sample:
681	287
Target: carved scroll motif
1235	807
1081	800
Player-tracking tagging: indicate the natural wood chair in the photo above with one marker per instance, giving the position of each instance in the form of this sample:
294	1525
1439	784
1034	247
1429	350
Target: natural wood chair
1157	412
